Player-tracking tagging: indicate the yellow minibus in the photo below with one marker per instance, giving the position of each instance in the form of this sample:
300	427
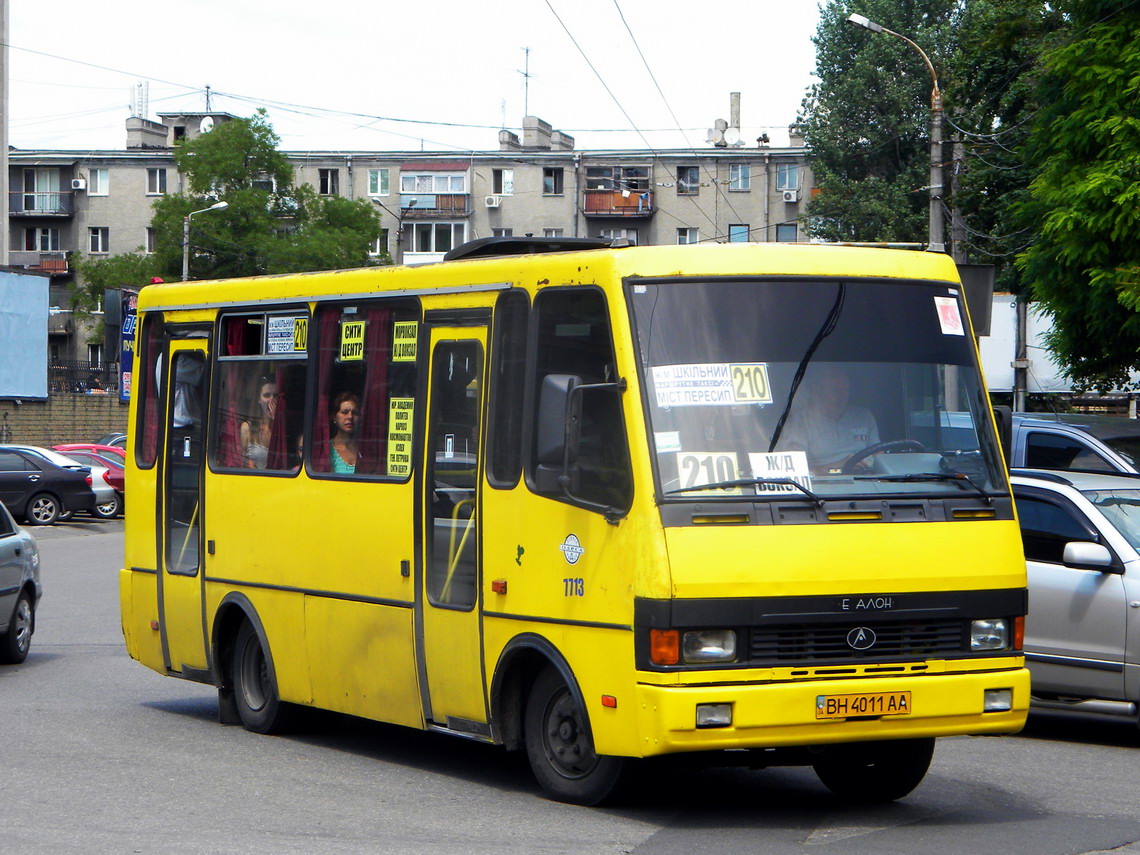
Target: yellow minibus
590	501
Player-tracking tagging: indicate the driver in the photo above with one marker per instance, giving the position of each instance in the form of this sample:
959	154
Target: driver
826	425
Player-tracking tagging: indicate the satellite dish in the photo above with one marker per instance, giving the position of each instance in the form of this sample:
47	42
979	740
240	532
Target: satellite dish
206	125
732	136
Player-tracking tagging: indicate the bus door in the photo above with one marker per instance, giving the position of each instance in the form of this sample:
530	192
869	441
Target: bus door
450	629
180	535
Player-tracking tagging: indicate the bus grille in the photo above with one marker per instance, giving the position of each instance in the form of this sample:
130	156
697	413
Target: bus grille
799	643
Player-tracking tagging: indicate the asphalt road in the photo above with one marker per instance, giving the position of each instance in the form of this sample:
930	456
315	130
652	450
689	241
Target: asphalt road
100	755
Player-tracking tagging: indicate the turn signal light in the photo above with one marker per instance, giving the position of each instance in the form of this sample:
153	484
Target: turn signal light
1019	633
664	646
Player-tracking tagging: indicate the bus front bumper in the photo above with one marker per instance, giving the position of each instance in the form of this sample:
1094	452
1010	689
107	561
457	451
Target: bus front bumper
785	714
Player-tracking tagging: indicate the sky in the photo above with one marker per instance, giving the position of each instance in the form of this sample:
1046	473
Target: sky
443	76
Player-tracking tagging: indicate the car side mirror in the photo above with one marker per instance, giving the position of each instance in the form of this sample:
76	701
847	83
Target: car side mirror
1084	555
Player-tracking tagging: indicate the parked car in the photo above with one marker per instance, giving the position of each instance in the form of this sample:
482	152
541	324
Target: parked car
107	502
114	453
116	439
20	589
38	489
1081	533
1089	443
108	467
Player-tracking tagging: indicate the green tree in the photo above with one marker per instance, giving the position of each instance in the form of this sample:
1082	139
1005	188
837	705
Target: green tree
1083	204
270	225
867	121
98	275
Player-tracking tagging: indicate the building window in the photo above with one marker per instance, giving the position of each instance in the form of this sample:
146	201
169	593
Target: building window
438	237
330	182
379	246
98	182
98	239
95	355
632	178
688	180
787	176
41	240
738	232
434	182
378	182
786	232
620	234
156	182
503	182
150	239
688	235
552	181
552	233
740	177
502	232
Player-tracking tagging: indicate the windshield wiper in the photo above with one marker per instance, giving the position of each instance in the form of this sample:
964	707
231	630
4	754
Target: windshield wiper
956	477
752	482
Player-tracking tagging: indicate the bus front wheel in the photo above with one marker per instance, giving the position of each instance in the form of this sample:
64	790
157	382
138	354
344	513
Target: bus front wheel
868	772
255	690
560	748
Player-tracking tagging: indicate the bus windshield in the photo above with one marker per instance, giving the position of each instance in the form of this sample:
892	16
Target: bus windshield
811	389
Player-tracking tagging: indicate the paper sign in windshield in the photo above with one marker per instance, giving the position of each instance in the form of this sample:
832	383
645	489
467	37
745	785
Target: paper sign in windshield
949	318
712	384
792	465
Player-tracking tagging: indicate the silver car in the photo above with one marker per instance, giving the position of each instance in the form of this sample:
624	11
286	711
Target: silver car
1081	533
20	589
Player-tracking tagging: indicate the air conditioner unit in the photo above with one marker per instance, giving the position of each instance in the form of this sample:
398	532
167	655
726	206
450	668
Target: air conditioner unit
492	201
78	183
791	195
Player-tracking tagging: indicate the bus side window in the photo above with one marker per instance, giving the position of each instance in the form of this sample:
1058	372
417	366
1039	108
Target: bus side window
508	378
574	338
148	384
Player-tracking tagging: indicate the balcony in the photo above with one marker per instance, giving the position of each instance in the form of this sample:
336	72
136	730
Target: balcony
37	204
618	203
420	206
54	263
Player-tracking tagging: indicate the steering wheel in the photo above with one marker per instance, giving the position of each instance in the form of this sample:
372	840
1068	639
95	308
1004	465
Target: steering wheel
892	445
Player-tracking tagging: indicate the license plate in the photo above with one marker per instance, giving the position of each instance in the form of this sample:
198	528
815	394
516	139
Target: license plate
854	706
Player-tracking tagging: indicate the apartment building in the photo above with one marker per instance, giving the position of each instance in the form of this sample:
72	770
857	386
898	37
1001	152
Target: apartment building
64	204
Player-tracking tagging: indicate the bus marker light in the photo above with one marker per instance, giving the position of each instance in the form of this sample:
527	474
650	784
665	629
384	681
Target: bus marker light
664	646
154	625
609	701
499	586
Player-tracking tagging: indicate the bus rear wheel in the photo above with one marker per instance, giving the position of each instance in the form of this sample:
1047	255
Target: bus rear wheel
255	688
561	749
869	772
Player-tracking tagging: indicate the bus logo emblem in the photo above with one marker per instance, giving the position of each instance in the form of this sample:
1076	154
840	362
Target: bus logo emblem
861	638
572	549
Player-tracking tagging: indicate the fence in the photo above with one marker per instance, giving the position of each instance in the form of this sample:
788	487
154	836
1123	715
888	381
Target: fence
78	377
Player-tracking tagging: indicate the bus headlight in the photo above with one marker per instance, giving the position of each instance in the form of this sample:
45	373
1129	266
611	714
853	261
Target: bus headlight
989	634
709	645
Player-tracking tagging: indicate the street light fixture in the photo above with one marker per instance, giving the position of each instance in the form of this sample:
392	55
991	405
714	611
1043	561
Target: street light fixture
934	242
217	206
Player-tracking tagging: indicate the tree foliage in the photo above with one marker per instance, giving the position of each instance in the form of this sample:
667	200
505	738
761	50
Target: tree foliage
270	225
1083	203
98	275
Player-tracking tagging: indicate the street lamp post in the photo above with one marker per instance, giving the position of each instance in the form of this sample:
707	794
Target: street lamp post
934	242
217	206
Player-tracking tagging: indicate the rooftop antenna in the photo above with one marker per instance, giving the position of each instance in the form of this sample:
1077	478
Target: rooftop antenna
140	99
208	110
526	82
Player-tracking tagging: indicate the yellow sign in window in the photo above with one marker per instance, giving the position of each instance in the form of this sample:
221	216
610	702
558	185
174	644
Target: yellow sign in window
404	336
352	341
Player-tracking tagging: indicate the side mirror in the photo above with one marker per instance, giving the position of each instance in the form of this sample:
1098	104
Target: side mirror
1089	556
557	436
1003	416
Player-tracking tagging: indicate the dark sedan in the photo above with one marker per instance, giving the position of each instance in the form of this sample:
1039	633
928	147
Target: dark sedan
37	490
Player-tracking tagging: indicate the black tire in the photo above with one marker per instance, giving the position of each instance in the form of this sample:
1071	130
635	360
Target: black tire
15	643
561	749
108	510
43	509
871	772
255	686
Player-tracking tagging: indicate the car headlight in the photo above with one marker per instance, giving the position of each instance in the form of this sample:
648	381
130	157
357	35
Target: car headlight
709	645
989	634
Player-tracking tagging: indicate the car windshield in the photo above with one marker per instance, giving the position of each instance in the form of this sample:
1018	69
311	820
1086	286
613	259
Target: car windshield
1122	509
811	388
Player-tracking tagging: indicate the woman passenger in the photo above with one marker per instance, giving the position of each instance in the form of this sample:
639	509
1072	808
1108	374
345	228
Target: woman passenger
256	433
343	451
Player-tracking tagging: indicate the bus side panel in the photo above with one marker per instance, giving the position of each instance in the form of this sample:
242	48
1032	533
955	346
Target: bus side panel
138	597
361	660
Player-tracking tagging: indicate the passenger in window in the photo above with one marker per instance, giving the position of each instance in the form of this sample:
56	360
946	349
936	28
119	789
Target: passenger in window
297	456
256	433
826	424
344	453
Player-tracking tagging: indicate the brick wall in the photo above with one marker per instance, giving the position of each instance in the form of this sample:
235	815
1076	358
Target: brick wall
61	418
